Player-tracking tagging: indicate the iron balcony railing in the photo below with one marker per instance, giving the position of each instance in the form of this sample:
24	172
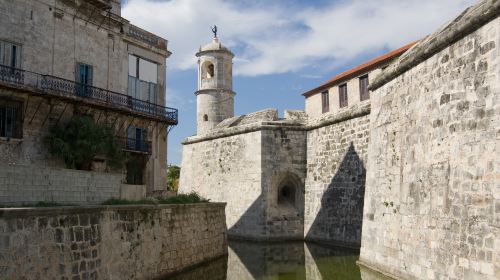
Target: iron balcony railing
135	145
61	87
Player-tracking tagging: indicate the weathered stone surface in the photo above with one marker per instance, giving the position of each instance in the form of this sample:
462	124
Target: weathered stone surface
244	166
115	242
469	21
432	192
296	115
335	182
30	184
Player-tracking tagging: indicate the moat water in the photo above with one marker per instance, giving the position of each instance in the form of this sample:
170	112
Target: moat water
282	261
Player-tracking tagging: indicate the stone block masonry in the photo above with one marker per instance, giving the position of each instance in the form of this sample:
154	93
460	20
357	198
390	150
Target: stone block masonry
114	242
432	198
29	184
336	172
247	166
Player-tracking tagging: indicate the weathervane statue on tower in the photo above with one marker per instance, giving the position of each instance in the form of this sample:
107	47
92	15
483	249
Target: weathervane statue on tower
214	30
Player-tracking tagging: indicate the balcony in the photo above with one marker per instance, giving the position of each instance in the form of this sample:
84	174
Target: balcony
76	92
135	145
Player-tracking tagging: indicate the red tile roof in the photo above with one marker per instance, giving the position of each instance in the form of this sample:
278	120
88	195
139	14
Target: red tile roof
363	68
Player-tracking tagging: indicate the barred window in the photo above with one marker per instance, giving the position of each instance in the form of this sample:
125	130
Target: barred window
11	119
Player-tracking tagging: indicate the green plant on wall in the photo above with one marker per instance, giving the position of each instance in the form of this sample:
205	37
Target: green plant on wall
173	174
80	140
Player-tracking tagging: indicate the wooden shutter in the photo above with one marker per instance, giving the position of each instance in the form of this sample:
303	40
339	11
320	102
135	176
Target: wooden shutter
364	94
343	95
7	53
325	102
2	53
90	75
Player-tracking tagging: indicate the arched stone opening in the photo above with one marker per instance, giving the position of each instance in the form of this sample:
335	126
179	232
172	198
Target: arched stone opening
207	70
286	195
205	118
288	192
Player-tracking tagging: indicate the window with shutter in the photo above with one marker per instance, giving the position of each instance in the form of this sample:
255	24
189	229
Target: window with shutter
325	102
343	95
84	78
10	54
364	94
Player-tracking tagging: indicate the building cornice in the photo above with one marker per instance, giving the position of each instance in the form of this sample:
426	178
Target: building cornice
206	91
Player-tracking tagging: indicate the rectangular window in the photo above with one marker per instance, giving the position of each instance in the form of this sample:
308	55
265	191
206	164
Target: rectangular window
10	54
11	119
137	139
84	78
142	79
364	93
325	102
343	95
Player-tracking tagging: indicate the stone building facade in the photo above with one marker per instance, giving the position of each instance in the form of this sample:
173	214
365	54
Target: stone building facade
61	58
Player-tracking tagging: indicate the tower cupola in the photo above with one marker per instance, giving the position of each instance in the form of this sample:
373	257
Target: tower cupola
215	96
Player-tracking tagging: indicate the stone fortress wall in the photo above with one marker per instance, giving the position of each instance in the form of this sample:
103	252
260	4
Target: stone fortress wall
231	164
337	147
432	198
251	161
425	144
109	242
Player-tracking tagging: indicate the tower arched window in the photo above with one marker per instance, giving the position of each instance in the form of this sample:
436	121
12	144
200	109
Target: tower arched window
205	118
207	70
210	70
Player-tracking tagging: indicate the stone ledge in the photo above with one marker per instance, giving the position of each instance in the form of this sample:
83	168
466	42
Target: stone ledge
231	131
7	213
357	111
293	125
469	21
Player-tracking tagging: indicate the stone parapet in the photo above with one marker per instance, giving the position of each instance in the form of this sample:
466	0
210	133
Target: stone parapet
109	242
469	21
298	122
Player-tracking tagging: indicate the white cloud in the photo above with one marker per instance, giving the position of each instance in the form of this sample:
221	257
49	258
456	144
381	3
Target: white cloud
177	100
278	38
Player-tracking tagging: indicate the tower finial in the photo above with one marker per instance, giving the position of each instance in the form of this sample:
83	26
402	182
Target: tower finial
214	30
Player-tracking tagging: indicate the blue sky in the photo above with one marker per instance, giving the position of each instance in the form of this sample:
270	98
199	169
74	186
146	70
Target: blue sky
282	48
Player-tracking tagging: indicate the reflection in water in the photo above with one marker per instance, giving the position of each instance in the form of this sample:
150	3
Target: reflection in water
282	261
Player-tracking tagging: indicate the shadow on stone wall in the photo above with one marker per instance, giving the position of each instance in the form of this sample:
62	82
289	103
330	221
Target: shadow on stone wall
339	219
251	224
